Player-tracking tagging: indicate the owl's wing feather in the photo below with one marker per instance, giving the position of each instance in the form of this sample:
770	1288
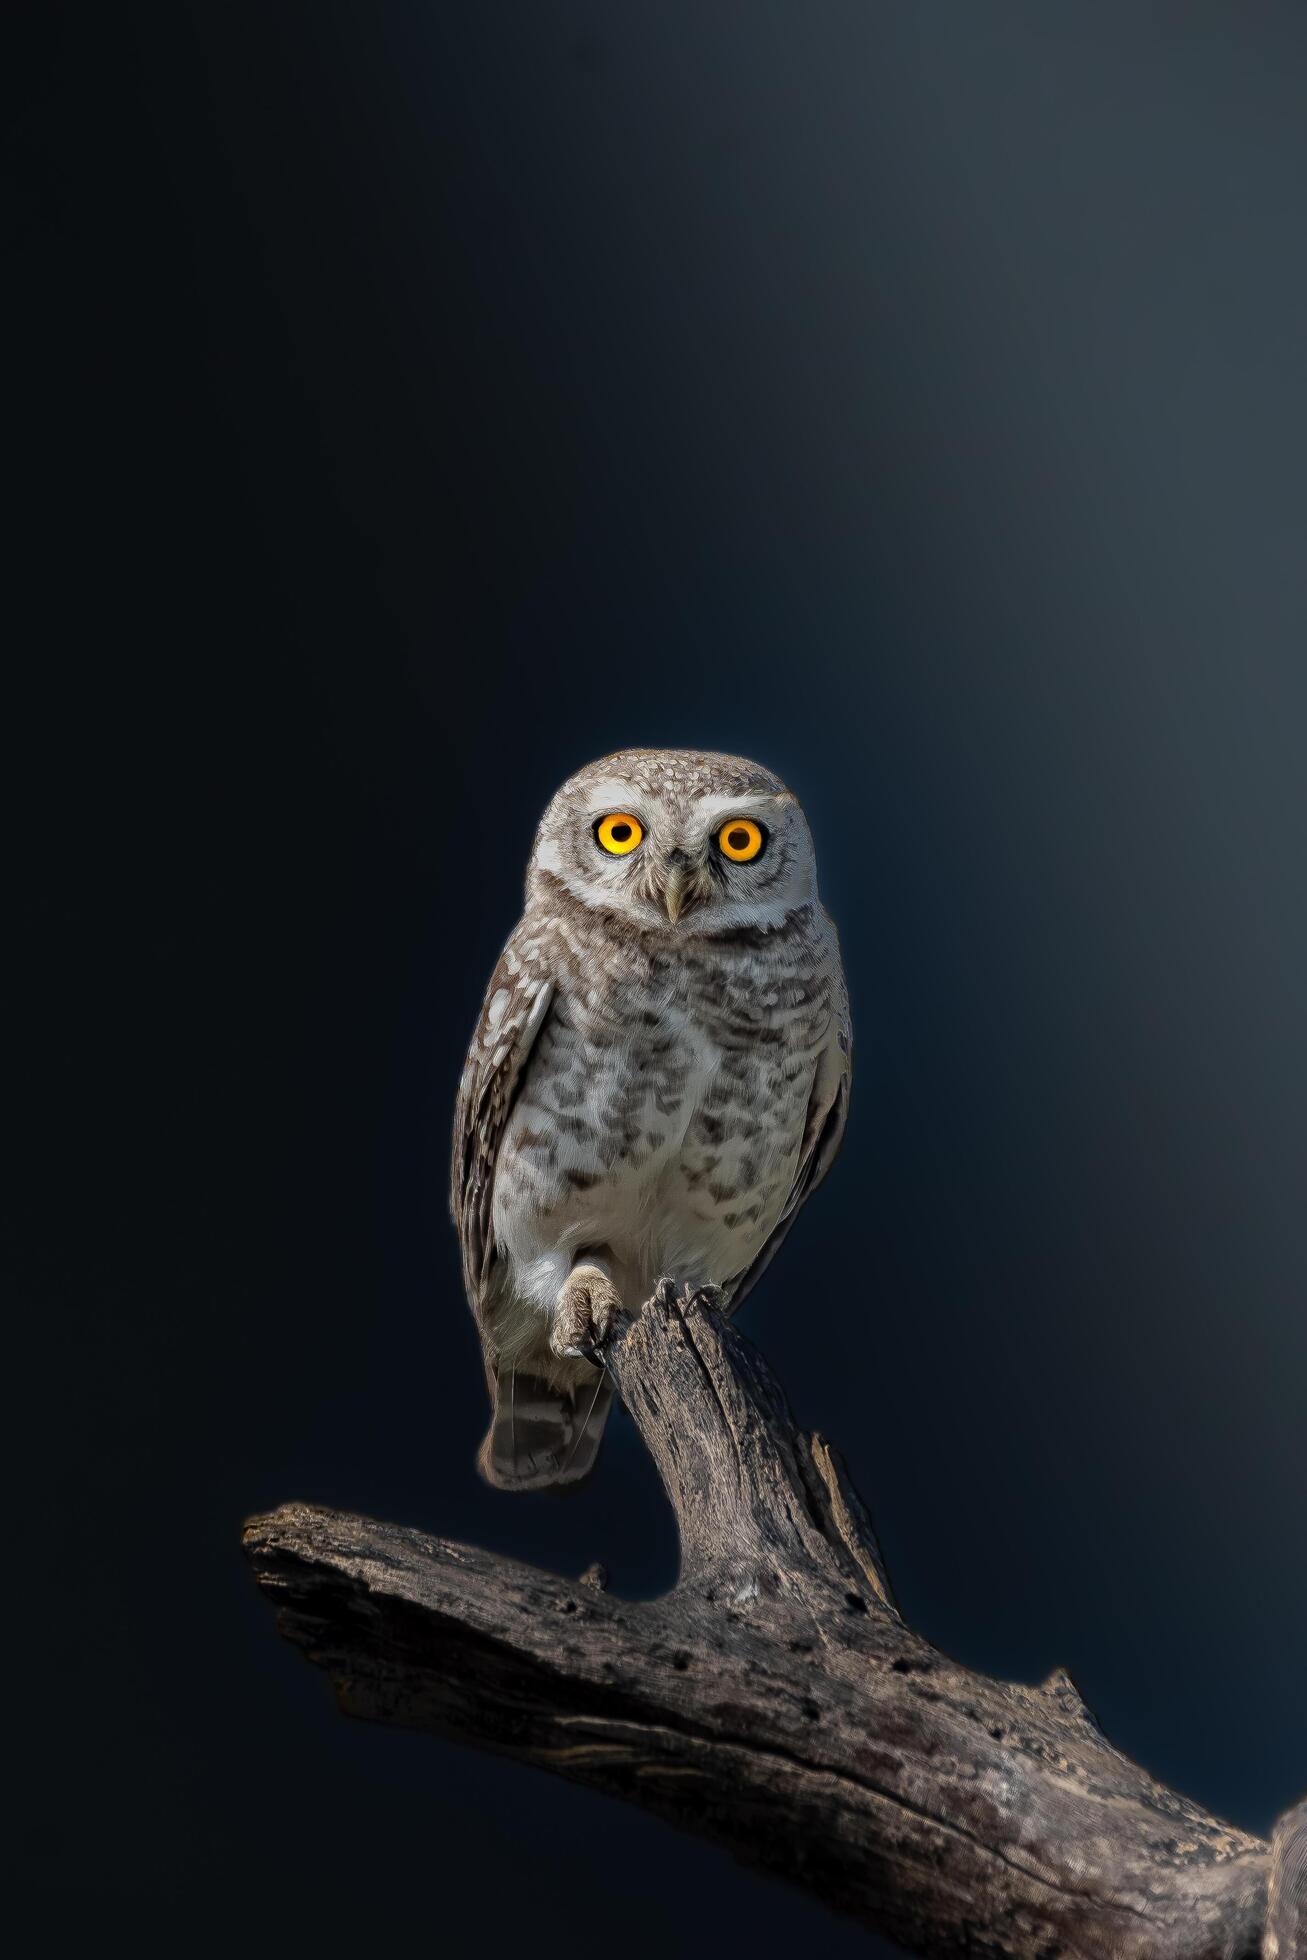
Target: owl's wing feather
516	1004
828	1110
542	1432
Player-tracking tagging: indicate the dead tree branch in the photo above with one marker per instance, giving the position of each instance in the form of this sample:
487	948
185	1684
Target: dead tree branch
776	1702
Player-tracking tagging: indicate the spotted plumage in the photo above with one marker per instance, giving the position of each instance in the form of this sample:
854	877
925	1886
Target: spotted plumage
659	1077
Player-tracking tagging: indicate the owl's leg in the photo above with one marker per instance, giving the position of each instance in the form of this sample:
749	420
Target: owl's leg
585	1311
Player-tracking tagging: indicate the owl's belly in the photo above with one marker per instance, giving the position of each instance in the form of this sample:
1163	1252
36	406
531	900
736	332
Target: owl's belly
671	1152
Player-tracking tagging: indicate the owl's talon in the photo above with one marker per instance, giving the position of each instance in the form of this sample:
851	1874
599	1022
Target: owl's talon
708	1299
665	1294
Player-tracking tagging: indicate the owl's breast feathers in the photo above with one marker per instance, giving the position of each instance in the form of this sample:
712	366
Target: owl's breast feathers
674	1102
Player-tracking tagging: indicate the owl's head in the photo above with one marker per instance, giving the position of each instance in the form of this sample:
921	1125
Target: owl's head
679	841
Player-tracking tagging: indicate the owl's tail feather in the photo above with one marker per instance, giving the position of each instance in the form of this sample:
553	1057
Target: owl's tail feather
541	1433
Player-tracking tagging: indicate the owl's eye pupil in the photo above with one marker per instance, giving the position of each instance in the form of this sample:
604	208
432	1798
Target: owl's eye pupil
739	840
620	832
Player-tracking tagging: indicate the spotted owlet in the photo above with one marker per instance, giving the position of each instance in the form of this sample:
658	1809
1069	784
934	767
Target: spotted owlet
659	1077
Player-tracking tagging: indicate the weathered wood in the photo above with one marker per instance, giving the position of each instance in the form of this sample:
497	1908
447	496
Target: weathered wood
776	1702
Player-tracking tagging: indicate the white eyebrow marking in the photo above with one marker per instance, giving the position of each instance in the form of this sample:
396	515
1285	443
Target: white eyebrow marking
614	793
740	806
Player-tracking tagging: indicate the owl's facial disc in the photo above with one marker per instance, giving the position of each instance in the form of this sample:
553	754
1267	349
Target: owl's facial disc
672	876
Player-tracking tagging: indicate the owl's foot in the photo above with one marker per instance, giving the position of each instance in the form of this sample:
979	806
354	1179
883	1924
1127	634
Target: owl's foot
586	1314
711	1299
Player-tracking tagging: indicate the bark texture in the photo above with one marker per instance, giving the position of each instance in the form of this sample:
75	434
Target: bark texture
776	1702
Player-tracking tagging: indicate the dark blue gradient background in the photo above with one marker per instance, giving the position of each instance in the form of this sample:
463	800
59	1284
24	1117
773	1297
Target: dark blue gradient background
417	401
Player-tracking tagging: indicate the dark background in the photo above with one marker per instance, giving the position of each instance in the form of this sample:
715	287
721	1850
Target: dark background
414	402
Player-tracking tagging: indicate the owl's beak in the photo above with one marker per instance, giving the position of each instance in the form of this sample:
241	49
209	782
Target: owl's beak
677	891
681	881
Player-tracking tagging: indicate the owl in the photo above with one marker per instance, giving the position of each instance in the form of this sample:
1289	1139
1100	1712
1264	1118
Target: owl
659	1077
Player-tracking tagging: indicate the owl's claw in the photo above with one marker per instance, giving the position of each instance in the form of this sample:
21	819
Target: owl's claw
585	1316
707	1298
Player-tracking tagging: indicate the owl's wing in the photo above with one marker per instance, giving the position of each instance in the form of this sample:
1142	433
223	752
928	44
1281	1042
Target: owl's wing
828	1109
516	1004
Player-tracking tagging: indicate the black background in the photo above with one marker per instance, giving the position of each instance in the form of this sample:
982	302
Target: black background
414	402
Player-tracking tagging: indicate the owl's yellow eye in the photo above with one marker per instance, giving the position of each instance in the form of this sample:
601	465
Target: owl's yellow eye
619	833
740	839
